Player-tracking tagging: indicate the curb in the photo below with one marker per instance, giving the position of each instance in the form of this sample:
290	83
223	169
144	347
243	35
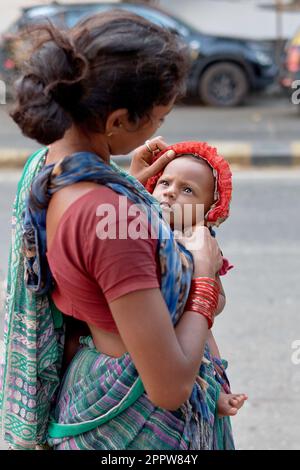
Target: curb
242	154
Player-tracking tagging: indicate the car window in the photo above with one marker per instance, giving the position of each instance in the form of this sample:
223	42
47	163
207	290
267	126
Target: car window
58	19
75	15
159	18
72	17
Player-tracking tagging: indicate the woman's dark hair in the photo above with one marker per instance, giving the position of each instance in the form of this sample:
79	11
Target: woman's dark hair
112	60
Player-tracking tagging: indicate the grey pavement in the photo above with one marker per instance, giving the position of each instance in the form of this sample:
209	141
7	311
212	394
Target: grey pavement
261	319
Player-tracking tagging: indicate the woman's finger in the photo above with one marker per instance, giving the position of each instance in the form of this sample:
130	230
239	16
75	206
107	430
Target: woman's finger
141	165
194	239
160	163
157	144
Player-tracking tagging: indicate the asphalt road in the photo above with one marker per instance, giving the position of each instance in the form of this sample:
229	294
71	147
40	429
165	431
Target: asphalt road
265	119
261	320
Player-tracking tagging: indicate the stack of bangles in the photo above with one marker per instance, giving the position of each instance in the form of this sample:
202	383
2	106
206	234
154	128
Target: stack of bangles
203	298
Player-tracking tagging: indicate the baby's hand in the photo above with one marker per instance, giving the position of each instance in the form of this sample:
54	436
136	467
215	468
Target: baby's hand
229	404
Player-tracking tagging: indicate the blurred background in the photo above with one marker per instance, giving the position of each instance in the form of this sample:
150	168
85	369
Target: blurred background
241	97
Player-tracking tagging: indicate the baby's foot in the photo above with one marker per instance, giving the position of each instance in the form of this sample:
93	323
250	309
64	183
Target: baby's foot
229	404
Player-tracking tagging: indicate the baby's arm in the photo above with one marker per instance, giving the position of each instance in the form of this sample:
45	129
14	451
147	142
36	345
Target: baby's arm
221	304
222	297
228	404
213	347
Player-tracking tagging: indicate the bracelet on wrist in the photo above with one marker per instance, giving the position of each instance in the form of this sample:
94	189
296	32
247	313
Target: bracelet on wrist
203	298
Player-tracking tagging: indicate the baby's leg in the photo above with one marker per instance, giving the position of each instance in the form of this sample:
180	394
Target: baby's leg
229	404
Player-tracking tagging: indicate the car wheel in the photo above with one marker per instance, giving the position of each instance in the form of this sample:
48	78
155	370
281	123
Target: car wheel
223	84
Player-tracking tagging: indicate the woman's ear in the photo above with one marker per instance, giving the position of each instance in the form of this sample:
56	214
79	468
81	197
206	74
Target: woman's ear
116	120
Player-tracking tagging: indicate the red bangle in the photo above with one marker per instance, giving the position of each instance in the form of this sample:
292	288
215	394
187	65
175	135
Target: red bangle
203	298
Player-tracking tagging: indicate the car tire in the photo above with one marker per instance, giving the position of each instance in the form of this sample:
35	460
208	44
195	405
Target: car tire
223	84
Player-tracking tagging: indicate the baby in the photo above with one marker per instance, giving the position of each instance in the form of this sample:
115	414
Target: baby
198	184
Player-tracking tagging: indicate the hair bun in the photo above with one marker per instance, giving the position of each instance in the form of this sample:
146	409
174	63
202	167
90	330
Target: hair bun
49	90
38	115
67	89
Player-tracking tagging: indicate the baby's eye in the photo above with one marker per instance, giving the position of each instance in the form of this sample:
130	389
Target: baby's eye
188	190
164	182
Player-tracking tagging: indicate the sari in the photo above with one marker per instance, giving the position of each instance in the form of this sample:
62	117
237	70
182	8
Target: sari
100	403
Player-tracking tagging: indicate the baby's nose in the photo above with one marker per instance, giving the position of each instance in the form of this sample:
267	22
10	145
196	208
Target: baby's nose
170	192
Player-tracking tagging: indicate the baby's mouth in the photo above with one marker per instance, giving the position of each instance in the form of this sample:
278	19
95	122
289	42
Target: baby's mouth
166	206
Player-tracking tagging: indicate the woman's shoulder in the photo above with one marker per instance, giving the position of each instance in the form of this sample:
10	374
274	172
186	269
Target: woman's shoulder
77	202
77	205
81	194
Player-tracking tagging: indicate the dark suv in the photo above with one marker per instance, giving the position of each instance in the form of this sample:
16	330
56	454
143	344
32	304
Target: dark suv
223	71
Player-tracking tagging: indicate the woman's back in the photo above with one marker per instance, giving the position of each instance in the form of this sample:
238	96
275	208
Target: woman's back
108	342
74	293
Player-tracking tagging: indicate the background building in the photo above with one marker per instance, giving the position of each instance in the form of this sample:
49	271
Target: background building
256	19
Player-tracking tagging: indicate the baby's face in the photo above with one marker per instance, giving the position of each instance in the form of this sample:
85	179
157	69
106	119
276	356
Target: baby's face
185	191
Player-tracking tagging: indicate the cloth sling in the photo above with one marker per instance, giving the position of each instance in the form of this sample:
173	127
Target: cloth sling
34	339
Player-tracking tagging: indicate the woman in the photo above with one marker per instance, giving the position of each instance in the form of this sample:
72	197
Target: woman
138	381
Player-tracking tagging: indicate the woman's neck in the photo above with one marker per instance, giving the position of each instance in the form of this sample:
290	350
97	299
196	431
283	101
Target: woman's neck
76	140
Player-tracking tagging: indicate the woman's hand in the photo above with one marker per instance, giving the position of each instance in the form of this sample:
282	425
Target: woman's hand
142	167
207	255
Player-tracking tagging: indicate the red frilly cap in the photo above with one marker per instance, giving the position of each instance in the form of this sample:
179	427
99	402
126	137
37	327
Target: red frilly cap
219	211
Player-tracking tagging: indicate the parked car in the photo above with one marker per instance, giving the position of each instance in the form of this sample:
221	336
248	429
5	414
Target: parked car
290	70
223	70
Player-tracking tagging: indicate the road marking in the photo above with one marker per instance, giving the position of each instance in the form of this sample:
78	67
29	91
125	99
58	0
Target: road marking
237	153
295	152
263	174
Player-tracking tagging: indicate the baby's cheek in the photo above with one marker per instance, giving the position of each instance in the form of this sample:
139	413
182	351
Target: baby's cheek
155	192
